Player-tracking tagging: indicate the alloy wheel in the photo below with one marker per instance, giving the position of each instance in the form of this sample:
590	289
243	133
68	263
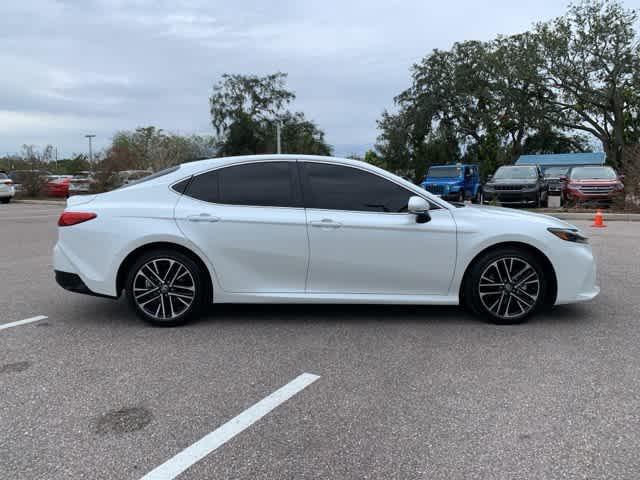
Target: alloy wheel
164	288
509	288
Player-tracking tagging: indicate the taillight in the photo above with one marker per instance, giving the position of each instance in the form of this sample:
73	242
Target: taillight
73	218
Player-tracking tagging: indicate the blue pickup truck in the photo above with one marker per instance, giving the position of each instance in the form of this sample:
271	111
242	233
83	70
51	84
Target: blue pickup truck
457	182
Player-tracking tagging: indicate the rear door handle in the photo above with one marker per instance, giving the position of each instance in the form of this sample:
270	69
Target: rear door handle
326	223
203	217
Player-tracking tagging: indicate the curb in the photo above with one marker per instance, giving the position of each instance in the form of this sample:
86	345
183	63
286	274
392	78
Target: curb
42	202
608	217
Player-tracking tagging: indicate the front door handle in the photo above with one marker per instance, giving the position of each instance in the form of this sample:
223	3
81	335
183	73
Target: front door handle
203	217
326	223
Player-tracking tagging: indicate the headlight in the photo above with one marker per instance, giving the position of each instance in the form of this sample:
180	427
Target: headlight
569	234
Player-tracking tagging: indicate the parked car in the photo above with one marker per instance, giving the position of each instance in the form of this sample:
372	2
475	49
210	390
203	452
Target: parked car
81	183
454	182
20	176
517	185
7	190
311	229
553	176
57	186
600	184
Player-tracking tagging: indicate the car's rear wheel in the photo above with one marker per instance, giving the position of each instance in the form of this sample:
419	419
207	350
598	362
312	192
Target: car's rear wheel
506	286
5	199
165	287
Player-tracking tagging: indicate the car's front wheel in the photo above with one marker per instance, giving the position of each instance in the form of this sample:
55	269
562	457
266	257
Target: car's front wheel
5	199
165	287
506	286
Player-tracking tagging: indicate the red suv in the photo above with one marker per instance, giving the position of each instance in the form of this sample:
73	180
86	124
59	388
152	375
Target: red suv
591	184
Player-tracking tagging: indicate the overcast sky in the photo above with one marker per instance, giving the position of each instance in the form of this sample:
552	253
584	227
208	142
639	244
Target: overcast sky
71	67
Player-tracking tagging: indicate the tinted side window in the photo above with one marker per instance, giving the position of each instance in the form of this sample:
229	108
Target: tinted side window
204	187
336	187
269	184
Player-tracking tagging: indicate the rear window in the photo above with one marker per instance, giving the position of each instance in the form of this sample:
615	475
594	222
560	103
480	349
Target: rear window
153	176
3	176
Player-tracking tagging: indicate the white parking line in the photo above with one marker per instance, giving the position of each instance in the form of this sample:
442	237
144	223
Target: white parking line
22	322
207	444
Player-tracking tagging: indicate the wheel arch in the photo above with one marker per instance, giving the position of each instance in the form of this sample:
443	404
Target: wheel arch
552	287
128	261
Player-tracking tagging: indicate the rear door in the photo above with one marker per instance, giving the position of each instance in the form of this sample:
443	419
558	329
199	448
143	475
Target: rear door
249	221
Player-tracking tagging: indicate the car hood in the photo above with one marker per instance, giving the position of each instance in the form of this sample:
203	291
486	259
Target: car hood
594	181
511	181
443	181
486	212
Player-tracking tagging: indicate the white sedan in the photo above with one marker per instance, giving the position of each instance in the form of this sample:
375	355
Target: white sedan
307	229
7	189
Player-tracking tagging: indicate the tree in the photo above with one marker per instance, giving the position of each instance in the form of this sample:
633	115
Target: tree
153	148
549	140
591	70
238	97
36	161
245	110
530	92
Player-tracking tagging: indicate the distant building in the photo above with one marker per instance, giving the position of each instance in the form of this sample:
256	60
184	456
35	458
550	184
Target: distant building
563	159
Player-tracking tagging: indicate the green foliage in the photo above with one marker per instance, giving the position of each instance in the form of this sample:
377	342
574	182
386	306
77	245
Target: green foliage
152	148
548	140
245	110
525	93
592	72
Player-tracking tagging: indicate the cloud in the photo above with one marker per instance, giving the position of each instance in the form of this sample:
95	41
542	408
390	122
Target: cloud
73	65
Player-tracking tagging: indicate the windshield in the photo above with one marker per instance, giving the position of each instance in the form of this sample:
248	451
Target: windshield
593	173
441	172
507	173
555	172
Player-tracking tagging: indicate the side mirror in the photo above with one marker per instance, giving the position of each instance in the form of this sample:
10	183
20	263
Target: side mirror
420	208
621	178
563	178
489	178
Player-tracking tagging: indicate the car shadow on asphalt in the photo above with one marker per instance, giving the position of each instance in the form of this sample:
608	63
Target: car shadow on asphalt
118	313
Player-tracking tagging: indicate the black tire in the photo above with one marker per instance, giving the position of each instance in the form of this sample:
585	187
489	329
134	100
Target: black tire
481	304
5	199
169	289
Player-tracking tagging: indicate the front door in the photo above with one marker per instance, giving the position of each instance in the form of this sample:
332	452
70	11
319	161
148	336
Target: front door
249	221
363	240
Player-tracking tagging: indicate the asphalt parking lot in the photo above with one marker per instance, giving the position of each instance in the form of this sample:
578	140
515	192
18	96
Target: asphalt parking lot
402	392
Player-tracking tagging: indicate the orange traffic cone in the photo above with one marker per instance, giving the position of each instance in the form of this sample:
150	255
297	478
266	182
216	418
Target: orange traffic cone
598	221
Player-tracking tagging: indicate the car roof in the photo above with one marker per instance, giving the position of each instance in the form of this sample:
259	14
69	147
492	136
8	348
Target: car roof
200	165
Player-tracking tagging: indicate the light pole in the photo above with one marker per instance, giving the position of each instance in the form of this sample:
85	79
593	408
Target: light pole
278	128
90	136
